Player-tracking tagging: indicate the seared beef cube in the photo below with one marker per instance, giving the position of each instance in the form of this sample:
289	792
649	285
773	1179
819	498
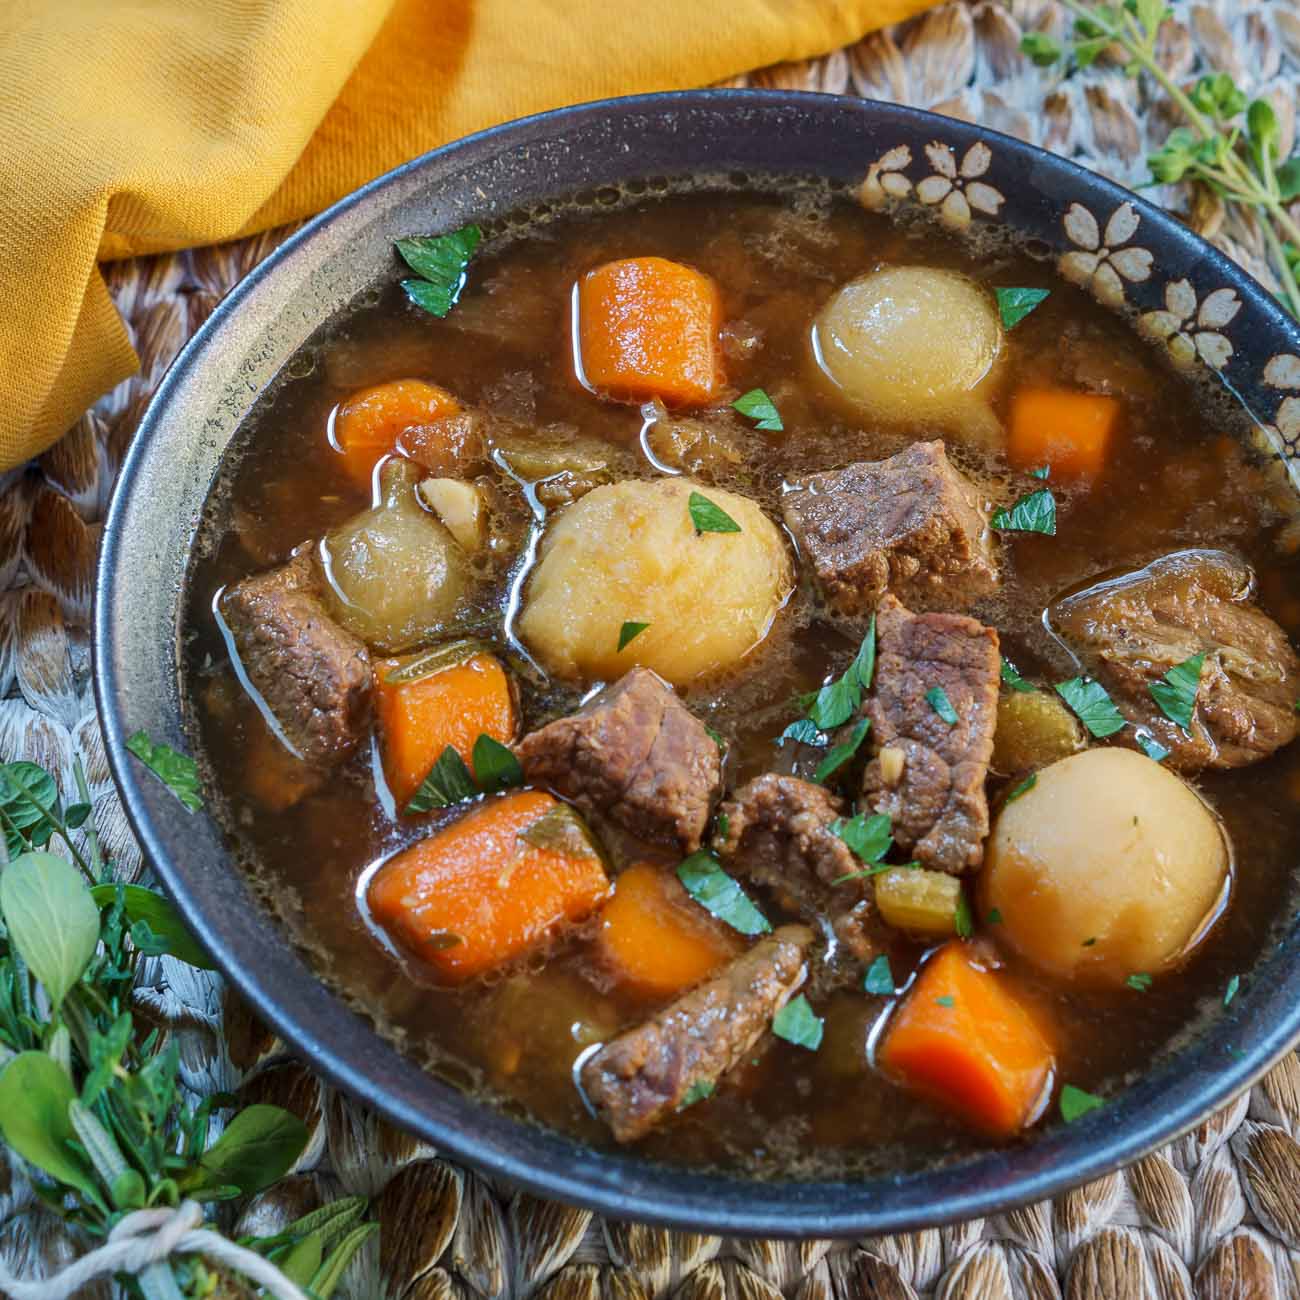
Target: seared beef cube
640	1078
634	754
1131	630
911	524
779	835
926	774
312	674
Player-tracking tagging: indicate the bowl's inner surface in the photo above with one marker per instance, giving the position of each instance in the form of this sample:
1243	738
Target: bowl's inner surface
1180	476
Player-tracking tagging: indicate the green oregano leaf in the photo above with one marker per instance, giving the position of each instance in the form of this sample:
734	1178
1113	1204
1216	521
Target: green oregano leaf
495	765
938	700
1035	513
836	702
449	781
715	891
798	1024
629	632
441	262
841	753
257	1148
1015	304
756	405
870	836
177	772
880	979
1075	1103
708	517
1012	678
1176	692
154	909
804	732
1093	706
700	1090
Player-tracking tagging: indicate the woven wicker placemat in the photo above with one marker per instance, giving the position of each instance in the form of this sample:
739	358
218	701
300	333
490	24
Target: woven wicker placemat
1216	1214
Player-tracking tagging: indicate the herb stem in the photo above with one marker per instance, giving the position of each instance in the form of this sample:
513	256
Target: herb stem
1290	287
92	831
60	829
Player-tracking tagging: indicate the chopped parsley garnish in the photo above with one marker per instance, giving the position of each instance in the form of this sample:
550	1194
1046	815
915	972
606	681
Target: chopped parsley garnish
1015	304
946	1001
449	781
1095	709
1075	1103
805	732
797	1024
869	836
1012	678
842	752
724	826
880	979
710	518
1043	471
1035	513
994	917
1139	982
1023	788
718	893
963	923
440	261
1176	693
838	701
178	772
1151	747
1231	991
629	632
756	405
700	1090
938	700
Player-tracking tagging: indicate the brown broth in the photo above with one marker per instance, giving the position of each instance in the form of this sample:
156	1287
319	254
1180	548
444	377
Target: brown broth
1178	476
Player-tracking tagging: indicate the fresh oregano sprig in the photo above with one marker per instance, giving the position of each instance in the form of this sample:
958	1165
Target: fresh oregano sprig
1229	143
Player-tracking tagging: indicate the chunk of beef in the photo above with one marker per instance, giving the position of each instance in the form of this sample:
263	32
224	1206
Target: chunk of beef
640	1078
312	675
1132	629
779	835
926	774
911	524
634	754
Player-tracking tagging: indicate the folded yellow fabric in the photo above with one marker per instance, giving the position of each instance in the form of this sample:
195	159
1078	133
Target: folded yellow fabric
134	127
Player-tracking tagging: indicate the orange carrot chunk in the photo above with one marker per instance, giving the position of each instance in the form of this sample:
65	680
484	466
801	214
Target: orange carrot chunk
368	425
655	939
648	328
1067	430
492	885
965	1042
454	706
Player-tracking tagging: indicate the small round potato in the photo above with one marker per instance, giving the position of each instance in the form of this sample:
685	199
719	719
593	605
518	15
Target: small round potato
629	553
913	342
1109	866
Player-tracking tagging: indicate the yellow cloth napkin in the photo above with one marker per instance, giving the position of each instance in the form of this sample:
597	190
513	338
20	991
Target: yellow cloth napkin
131	127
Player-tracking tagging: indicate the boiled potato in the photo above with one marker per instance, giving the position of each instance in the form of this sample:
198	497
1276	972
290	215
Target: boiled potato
629	553
461	508
1109	866
913	342
394	573
1034	729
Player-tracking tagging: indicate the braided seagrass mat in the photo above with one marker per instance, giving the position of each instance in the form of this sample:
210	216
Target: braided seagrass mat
1215	1215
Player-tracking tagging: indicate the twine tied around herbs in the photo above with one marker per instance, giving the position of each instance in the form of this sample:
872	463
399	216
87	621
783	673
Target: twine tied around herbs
140	1244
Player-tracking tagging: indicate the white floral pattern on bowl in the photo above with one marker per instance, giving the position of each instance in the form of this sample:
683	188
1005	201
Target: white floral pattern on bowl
1102	263
956	190
1190	330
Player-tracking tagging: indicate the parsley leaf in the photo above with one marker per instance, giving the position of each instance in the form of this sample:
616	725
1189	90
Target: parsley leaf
797	1024
756	405
805	732
1231	991
1139	982
938	700
1043	471
629	632
870	837
1012	678
1176	693
495	765
1015	304
718	893
177	772
946	1001
1023	788
838	701
843	752
1151	747
700	1090
1075	1103
710	518
1095	709
880	979
449	781
963	922
1035	513
440	261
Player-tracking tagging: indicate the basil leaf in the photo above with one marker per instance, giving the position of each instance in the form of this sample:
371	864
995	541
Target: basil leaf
1015	304
756	405
710	518
51	919
1023	788
700	1090
1075	1103
176	771
35	1094
1095	709
428	663
495	766
1035	513
838	701
805	732
870	837
1176	692
560	830
440	261
843	752
715	891
880	979
257	1148
938	700
156	911
797	1024
1151	747
629	632
1012	678
449	781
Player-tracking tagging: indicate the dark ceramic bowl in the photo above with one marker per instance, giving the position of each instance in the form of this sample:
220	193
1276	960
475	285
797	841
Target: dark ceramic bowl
1132	256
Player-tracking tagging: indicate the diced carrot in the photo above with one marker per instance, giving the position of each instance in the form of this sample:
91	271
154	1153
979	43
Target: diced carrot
648	327
655	939
454	706
963	1040
477	893
1070	431
273	776
367	426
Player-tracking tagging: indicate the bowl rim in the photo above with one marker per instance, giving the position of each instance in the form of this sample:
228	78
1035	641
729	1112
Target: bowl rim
539	1160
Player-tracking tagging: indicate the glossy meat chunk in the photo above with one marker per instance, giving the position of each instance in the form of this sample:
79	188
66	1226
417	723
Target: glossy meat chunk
640	1078
936	796
634	754
1131	630
911	524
